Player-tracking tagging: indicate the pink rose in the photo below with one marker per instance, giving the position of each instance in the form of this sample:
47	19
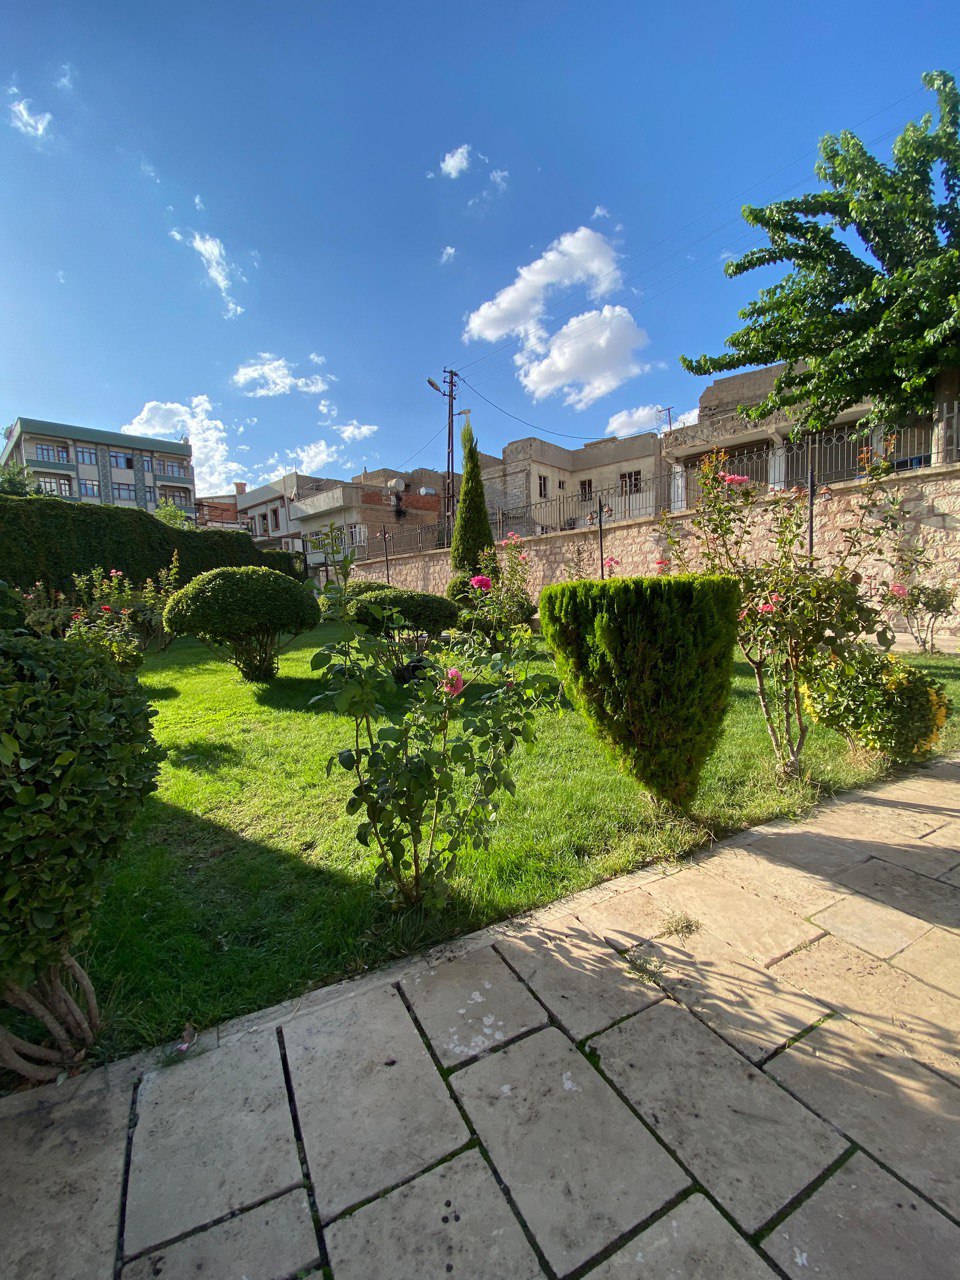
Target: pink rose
523	559
611	562
899	590
481	582
453	683
768	608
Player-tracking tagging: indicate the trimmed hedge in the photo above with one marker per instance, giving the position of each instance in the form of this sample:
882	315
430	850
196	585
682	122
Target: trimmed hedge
420	611
650	662
76	759
245	612
48	540
283	562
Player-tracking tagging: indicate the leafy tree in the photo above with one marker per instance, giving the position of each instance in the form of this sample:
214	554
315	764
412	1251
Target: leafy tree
871	306
16	480
471	531
170	514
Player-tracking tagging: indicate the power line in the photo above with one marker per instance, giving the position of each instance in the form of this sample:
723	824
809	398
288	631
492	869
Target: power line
403	465
506	412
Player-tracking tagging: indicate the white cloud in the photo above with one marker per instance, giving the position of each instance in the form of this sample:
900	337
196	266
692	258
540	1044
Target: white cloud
688	419
148	171
448	255
311	458
209	438
61	278
457	162
270	375
22	119
599	211
327	409
579	257
176	235
198	204
499	178
315	359
430	173
65	79
589	357
630	422
353	431
219	269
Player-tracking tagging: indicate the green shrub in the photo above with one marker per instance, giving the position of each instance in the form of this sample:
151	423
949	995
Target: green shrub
243	614
284	562
878	702
421	612
76	759
47	540
363	587
650	661
459	589
12	613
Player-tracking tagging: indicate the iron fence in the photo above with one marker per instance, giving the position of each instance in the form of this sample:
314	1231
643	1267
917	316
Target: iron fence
672	484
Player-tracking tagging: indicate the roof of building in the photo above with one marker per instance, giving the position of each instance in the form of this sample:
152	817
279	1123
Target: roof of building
63	430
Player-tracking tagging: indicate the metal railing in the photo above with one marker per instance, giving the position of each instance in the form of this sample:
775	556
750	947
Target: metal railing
672	485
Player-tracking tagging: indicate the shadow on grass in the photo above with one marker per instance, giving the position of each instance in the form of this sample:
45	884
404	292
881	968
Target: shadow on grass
203	756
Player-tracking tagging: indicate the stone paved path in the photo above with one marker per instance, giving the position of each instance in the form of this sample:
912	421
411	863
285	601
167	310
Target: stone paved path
740	1069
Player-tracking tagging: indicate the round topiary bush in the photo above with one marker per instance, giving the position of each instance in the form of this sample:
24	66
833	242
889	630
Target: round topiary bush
76	759
242	615
878	702
420	612
650	662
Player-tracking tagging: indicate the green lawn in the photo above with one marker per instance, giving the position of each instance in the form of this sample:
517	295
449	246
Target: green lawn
242	885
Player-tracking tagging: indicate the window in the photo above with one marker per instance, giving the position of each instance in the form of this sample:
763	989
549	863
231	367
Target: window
151	493
53	453
124	493
263	522
542	486
166	468
586	490
87	456
122	460
561	485
631	481
274	517
89	488
357	534
57	485
179	497
147	462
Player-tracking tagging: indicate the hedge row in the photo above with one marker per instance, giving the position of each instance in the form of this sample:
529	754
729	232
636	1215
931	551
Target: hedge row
48	540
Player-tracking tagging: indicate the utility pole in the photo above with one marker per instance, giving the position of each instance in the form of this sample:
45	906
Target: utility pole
449	497
665	411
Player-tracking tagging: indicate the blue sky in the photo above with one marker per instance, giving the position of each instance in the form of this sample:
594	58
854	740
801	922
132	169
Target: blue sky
267	225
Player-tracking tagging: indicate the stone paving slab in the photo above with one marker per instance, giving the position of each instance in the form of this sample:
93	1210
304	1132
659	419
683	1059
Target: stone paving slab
213	1134
583	982
580	1166
625	919
920	1020
877	815
61	1178
935	960
750	923
269	1242
863	1222
899	1111
745	1139
691	1242
743	1002
797	889
454	1220
470	1004
932	855
929	900
952	877
873	926
788	844
373	1109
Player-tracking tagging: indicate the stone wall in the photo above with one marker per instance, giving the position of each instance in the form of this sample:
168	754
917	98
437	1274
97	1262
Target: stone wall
932	498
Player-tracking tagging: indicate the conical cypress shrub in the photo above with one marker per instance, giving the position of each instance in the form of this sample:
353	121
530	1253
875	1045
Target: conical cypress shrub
650	662
471	531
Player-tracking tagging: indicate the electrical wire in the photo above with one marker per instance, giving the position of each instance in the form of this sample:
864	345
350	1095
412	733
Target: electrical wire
506	412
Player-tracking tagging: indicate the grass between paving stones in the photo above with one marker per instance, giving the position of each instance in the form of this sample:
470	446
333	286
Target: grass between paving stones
242	883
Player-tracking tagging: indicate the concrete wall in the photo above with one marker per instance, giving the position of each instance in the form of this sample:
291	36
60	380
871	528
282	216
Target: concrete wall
932	498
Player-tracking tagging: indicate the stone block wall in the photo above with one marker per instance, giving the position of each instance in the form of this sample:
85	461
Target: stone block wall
932	498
